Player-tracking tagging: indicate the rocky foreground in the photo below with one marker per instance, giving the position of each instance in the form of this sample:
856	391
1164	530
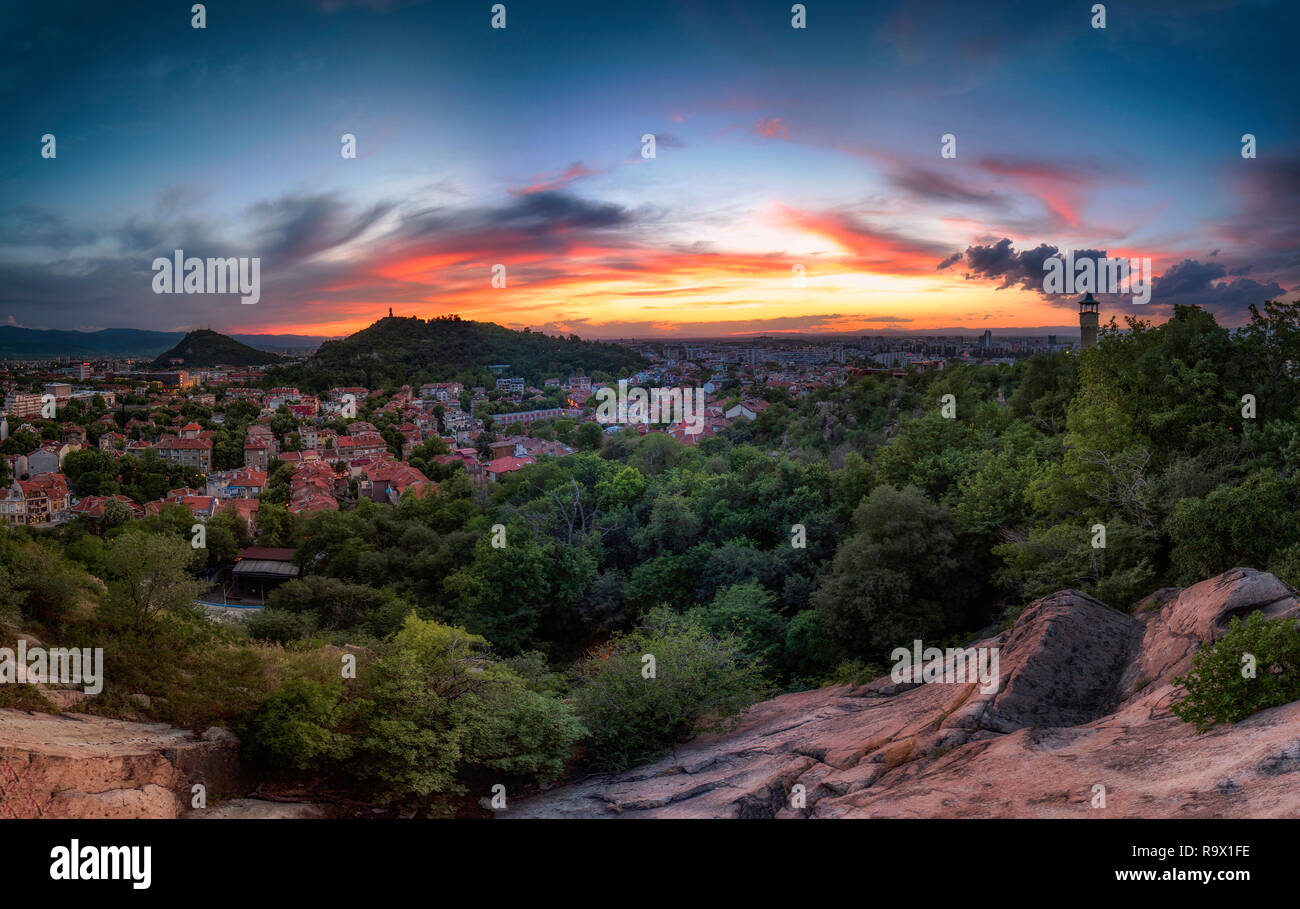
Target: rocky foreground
74	765
1084	702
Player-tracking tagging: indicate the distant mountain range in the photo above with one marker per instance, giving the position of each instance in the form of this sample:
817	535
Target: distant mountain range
33	343
205	348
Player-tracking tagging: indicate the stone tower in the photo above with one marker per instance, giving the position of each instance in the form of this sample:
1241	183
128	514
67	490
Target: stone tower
1088	322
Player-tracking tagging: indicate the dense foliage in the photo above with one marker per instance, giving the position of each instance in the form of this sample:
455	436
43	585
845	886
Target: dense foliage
410	350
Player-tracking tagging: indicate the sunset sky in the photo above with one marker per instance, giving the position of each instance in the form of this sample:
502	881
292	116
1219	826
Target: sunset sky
775	147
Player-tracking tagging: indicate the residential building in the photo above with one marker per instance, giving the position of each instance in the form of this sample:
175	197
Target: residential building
196	453
257	453
499	467
20	405
40	500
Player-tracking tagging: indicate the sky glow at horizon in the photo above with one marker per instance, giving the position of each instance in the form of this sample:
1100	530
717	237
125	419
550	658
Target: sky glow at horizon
776	147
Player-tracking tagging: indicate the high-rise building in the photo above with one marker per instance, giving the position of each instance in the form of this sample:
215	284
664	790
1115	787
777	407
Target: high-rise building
1088	318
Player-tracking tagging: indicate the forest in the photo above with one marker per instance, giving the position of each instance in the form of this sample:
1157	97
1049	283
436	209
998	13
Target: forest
409	350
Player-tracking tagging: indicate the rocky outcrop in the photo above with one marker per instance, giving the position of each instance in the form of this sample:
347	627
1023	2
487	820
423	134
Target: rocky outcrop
73	765
1079	726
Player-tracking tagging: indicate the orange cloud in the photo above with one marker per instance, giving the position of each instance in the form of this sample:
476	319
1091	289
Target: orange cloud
869	249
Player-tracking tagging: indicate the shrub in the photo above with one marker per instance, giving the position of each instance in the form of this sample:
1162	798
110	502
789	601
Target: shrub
279	626
1218	688
701	682
430	715
854	672
294	728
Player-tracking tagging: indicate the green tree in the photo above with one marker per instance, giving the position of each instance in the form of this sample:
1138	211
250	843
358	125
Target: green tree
227	533
336	604
283	422
897	578
523	594
274	525
588	437
809	649
116	513
700	682
747	611
1234	526
150	578
624	488
1045	390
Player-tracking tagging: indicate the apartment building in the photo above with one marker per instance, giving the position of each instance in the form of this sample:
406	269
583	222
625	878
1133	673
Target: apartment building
20	404
196	453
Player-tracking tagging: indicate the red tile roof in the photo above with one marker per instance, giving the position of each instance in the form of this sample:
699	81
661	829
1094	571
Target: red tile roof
507	464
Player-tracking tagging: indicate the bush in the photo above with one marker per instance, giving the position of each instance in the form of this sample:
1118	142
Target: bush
197	672
279	626
330	604
294	728
747	611
701	682
427	719
1218	689
40	588
854	672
